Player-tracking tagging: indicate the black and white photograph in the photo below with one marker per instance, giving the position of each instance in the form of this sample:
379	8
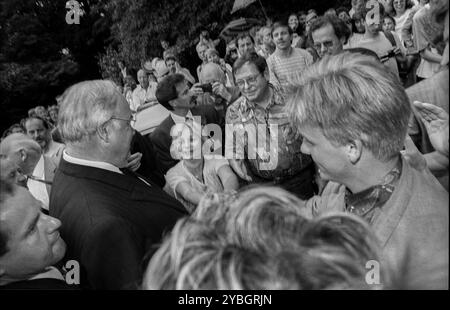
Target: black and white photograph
224	150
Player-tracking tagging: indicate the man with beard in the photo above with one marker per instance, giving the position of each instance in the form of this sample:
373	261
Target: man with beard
39	130
287	62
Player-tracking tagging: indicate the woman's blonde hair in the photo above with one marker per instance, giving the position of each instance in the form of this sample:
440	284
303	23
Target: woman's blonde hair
261	239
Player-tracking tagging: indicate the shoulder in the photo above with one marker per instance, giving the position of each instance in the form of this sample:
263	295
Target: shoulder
164	127
175	170
421	14
175	175
214	164
235	110
301	52
424	198
272	57
137	90
429	190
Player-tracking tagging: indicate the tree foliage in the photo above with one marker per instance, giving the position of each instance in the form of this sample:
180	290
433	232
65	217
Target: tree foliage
33	67
139	25
33	34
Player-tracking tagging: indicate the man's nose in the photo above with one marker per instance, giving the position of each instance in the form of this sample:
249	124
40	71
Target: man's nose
304	149
246	84
53	224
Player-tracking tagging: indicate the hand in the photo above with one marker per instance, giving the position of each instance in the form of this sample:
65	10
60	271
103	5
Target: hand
240	169
331	200
413	156
220	90
435	120
196	90
134	161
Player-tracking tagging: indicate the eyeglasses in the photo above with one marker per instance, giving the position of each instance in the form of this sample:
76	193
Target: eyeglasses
251	80
327	45
34	178
131	121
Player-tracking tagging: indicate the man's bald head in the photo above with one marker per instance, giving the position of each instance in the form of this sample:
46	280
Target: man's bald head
211	73
21	150
17	141
142	78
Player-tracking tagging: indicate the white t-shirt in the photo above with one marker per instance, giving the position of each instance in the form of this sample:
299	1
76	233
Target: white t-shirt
36	188
403	23
285	71
141	95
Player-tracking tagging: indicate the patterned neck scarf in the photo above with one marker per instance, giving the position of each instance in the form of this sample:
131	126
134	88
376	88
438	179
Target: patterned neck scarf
365	203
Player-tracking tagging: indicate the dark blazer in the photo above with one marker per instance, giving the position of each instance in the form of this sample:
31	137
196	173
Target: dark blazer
110	221
149	162
162	140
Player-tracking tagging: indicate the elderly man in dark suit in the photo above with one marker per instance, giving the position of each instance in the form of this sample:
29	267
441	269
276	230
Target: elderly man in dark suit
175	95
111	216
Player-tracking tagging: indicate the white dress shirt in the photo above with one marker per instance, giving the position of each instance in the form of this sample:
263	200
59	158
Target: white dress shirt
140	95
36	188
177	119
96	164
91	163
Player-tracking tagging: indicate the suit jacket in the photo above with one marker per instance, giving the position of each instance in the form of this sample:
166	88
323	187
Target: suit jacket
149	162
413	229
110	221
162	140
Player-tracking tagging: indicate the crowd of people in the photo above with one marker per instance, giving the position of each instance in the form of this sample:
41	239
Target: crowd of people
314	145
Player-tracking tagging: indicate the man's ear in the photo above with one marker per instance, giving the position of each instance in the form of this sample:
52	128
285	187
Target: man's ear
23	155
173	103
266	74
103	133
354	151
342	40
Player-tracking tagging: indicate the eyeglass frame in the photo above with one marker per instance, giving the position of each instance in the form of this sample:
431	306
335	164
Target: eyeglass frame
251	80
131	122
318	47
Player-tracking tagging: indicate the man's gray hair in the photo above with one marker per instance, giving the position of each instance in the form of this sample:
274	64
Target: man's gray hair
84	107
351	97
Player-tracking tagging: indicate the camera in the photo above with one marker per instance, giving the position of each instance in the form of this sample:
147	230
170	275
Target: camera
207	88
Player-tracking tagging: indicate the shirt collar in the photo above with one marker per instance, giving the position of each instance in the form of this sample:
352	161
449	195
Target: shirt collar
177	119
275	99
366	202
39	168
90	163
49	273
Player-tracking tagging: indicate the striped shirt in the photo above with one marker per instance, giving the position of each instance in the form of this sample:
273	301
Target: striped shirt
285	70
264	138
